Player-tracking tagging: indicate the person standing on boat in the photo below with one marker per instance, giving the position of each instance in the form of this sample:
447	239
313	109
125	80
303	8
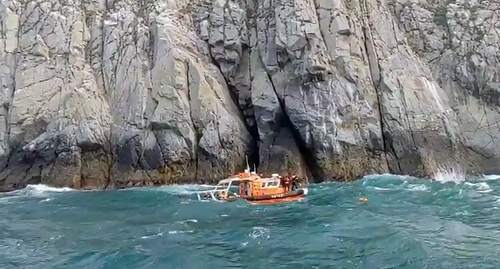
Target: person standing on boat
286	183
294	182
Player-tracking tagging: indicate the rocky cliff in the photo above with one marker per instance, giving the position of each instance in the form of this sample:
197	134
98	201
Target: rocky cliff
102	94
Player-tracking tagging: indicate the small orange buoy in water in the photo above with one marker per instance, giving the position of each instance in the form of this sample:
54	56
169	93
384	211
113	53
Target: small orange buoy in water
363	199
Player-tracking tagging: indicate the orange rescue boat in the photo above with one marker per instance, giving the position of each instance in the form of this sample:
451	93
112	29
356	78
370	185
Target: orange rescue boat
255	189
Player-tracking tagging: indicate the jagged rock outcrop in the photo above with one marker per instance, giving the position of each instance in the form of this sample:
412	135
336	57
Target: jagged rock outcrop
100	94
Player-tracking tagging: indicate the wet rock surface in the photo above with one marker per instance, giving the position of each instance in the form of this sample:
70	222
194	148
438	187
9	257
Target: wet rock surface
110	94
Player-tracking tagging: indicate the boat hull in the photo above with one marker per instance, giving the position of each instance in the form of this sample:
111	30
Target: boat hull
277	198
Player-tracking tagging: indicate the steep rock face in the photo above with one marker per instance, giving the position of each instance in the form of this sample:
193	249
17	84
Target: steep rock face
100	94
359	94
460	41
109	93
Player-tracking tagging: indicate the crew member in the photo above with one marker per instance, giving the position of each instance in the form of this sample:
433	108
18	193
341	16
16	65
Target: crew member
294	182
286	182
223	195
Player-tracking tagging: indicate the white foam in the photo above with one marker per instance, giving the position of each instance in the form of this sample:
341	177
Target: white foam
417	187
381	189
152	236
409	187
385	175
185	189
180	232
497	201
45	200
444	175
168	232
38	190
260	232
188	221
481	187
9	199
491	177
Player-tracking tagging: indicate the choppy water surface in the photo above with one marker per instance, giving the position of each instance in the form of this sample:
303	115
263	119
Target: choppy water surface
407	223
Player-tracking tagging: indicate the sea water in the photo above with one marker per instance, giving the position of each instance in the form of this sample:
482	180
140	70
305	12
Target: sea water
406	223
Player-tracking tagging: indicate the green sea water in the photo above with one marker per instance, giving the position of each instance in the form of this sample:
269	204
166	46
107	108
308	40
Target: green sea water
407	223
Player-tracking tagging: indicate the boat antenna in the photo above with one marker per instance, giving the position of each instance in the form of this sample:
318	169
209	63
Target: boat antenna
248	166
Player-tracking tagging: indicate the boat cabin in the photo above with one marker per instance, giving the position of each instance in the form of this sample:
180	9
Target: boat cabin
260	186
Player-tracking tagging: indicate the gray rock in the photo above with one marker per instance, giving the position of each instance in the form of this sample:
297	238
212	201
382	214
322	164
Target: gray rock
109	94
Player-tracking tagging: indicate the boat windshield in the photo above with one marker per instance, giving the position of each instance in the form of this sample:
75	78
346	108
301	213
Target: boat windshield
270	183
235	188
233	185
222	186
